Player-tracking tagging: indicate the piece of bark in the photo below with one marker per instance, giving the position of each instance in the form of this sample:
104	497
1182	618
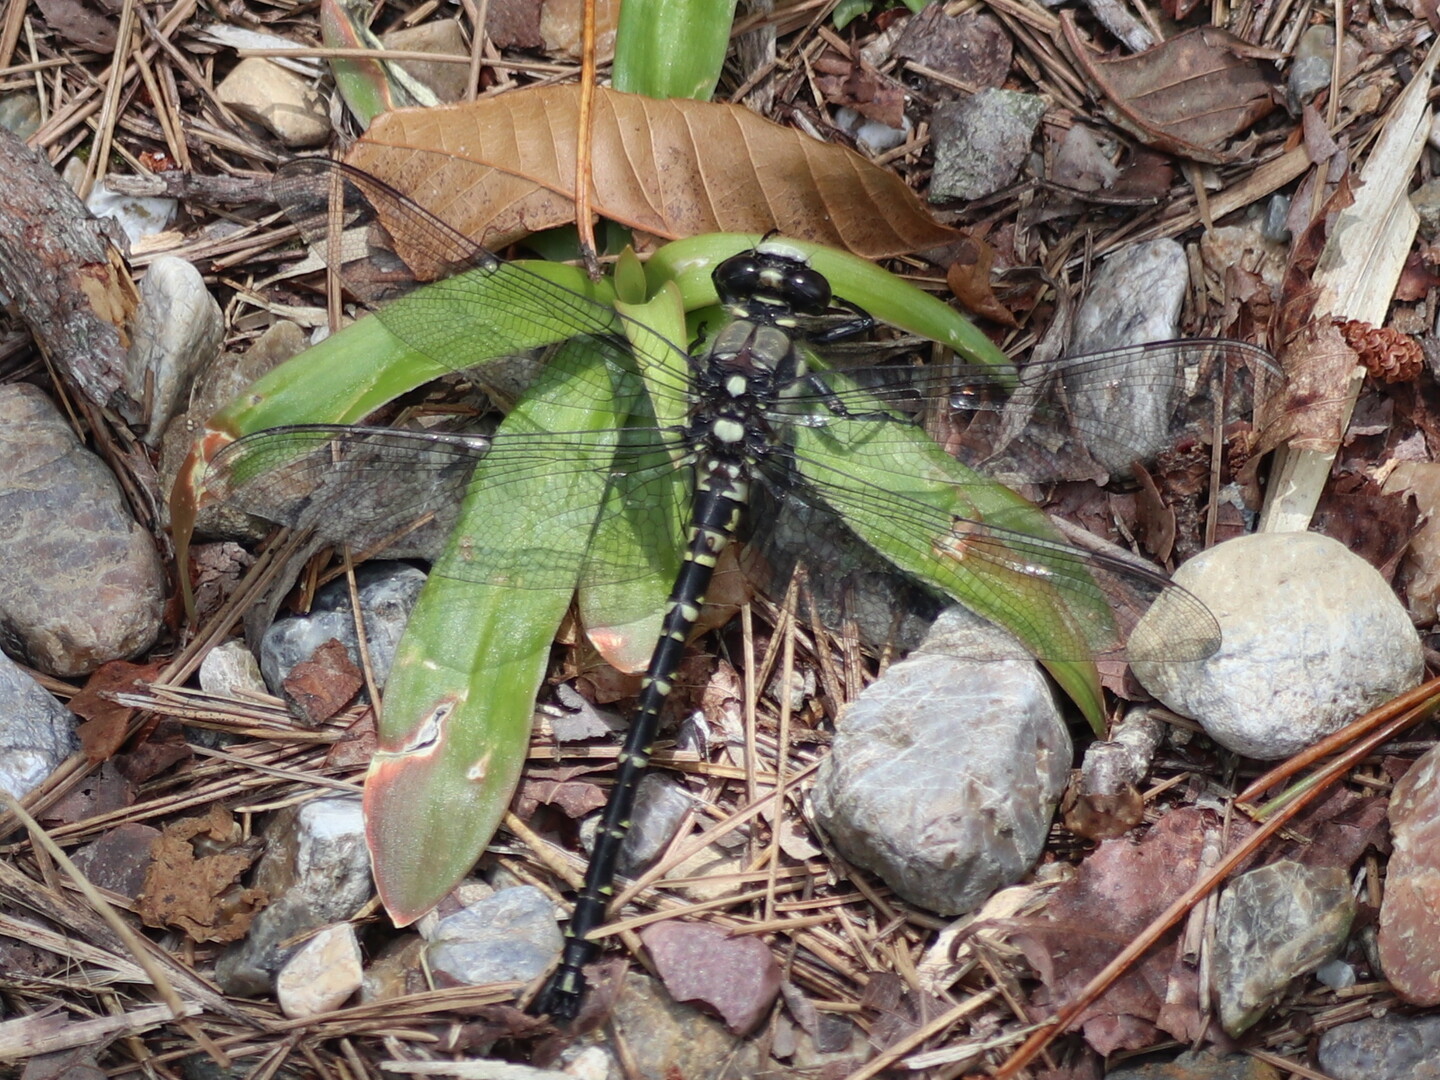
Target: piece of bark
68	282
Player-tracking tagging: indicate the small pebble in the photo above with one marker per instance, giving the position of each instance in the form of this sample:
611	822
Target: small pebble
1314	58
321	975
288	106
1382	1048
175	334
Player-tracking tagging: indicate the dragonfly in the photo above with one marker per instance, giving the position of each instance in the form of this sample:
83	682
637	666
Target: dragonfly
663	492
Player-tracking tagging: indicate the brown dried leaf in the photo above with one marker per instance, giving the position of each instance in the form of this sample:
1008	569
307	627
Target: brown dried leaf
856	85
1186	96
200	894
1309	412
80	24
969	279
503	168
105	721
1119	889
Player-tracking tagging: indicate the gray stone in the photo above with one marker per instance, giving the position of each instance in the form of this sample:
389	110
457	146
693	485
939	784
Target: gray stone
316	871
981	141
944	775
1383	1048
80	581
1273	925
37	733
387	594
1312	637
177	332
1426	201
1203	1065
509	937
1314	60
660	806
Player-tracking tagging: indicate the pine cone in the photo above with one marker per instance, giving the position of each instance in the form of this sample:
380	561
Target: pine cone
1387	354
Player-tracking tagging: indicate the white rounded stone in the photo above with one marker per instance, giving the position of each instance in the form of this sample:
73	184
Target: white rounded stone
1312	637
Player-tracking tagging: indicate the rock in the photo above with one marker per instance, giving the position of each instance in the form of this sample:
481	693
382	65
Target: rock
397	971
981	141
1409	942
1312	638
663	1038
1198	1066
509	937
289	107
1383	1048
873	137
231	667
20	114
321	975
387	591
1273	925
175	334
80	582
316	871
1426	201
37	733
736	976
1135	298
137	216
119	859
944	775
1310	72
660	806
442	37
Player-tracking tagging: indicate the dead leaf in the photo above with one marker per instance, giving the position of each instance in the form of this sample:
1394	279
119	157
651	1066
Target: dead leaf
969	279
973	49
1421	573
856	85
736	976
1186	96
502	168
105	721
79	23
1310	411
201	894
1117	891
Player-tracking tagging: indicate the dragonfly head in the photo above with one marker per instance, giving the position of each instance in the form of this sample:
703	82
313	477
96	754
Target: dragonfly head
780	279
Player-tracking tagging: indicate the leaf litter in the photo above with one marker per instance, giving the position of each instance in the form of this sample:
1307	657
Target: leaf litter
1108	174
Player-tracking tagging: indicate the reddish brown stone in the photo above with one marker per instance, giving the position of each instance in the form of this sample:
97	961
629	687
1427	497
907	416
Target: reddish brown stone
1410	911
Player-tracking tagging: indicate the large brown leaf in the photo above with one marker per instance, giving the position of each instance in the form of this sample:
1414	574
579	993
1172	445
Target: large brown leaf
502	168
1187	95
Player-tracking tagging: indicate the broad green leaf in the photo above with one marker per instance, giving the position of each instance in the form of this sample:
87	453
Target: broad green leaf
455	725
622	618
672	48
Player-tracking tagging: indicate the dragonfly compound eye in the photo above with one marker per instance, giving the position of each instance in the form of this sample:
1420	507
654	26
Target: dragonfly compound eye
807	290
737	277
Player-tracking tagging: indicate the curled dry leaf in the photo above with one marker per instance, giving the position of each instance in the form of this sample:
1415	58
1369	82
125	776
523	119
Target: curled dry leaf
503	168
1186	96
1311	411
200	893
969	279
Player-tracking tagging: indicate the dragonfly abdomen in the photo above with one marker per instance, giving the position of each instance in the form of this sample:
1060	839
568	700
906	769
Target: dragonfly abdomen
720	497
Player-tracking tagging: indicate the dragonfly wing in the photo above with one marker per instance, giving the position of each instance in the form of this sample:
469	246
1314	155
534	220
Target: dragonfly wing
1076	418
